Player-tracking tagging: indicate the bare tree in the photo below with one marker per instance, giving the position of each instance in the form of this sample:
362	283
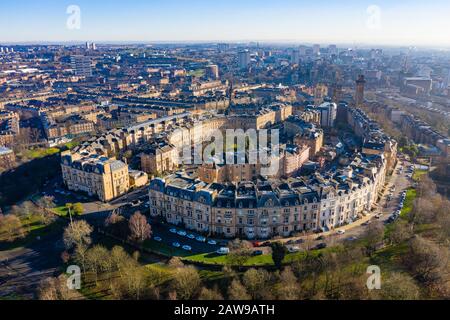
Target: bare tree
374	236
77	234
426	260
399	286
287	287
98	260
237	291
11	227
186	282
255	281
139	227
210	294
56	289
401	232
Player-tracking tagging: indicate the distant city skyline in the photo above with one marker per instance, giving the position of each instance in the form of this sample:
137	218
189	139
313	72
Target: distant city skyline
412	22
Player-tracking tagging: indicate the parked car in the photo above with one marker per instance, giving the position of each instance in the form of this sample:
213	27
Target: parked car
173	230
182	233
321	246
223	251
212	242
159	239
257	253
191	236
187	248
299	241
352	238
256	244
341	231
200	239
293	249
176	244
320	238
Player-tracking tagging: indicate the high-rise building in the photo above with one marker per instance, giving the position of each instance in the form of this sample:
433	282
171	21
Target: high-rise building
212	71
328	112
332	49
94	46
81	66
88	46
295	56
316	49
359	96
244	59
223	46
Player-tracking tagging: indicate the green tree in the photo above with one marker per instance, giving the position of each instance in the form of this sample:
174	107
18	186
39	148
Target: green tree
278	253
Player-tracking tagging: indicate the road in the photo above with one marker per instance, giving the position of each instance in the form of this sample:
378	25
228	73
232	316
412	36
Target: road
23	268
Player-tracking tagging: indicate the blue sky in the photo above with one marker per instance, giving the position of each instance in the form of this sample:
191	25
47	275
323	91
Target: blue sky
413	22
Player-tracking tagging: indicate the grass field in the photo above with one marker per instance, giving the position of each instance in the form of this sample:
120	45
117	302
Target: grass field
40	153
418	174
411	195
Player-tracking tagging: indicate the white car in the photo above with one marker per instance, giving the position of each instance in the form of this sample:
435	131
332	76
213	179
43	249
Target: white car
176	245
187	248
159	239
190	236
200	239
293	249
182	233
212	242
173	230
341	232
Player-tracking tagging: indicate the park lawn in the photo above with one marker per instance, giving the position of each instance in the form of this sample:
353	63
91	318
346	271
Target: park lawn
41	153
256	261
418	174
61	211
196	73
34	228
388	258
411	195
164	249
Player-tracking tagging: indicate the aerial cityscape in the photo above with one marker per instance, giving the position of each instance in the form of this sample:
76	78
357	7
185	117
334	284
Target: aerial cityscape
204	161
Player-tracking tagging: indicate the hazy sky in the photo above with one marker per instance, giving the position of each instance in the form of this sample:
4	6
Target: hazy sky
396	22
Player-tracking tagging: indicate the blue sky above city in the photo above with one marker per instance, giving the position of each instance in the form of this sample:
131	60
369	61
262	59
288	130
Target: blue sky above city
344	21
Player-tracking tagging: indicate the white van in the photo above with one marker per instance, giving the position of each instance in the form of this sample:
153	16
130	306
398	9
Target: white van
223	251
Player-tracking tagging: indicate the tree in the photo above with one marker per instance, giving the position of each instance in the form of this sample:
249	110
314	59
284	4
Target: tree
426	260
240	252
186	282
210	294
11	227
117	225
287	288
56	289
237	291
255	281
98	260
77	234
399	286
119	259
140	229
78	209
278	253
401	232
374	236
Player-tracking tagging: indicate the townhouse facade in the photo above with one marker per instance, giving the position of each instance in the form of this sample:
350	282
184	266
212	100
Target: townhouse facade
264	209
